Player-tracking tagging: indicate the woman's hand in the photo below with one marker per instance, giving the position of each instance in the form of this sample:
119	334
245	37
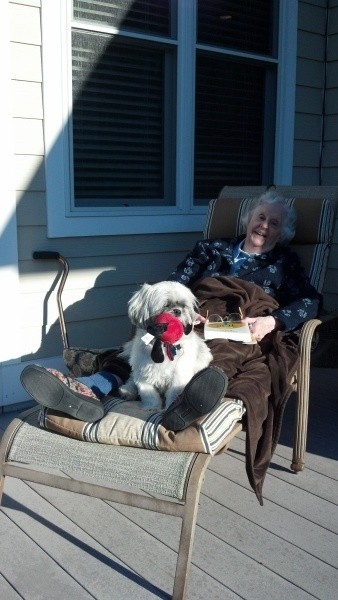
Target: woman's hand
260	326
199	319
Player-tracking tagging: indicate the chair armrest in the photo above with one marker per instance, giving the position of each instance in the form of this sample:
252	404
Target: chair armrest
305	342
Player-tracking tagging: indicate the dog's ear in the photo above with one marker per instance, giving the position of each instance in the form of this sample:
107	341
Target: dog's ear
137	305
188	329
157	352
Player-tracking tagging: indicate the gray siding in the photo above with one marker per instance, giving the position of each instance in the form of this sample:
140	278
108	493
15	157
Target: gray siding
330	155
316	118
309	91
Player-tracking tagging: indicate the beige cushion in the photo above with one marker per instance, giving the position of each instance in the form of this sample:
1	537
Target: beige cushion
126	424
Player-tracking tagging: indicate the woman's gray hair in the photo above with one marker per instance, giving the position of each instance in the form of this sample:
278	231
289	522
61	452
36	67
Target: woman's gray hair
288	228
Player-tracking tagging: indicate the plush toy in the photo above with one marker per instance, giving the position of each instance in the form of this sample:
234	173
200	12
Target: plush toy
167	330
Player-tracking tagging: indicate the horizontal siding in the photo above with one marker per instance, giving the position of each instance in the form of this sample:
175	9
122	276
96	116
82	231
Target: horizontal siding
306	153
308	101
103	275
330	154
309	92
333	22
310	73
135	246
331	122
311	16
98	287
30	173
28	136
25	23
311	45
308	174
331	176
26	62
308	127
27	100
309	108
30	2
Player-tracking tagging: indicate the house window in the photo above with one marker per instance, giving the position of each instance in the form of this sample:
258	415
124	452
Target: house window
163	103
123	103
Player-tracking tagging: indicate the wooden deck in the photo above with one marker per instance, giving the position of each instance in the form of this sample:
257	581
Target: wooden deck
56	545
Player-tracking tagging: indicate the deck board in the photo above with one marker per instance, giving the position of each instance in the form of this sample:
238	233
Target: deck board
56	544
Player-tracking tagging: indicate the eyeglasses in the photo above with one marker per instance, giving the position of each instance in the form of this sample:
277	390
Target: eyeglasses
228	317
229	320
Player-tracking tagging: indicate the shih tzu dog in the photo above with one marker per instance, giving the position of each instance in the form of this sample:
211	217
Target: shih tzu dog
165	351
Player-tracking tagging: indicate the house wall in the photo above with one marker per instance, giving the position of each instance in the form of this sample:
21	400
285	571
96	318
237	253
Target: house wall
316	118
330	152
104	271
309	91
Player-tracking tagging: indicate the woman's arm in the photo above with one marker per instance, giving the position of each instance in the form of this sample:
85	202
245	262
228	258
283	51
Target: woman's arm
207	258
299	301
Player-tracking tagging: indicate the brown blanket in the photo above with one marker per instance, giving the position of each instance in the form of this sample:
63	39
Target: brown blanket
260	375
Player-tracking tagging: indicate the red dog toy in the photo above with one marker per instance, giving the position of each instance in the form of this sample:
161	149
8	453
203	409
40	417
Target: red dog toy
167	330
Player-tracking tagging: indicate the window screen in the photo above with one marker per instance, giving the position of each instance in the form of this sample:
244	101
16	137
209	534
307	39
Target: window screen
229	128
119	121
246	25
147	16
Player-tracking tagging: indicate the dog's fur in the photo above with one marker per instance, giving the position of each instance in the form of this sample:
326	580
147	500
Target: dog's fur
154	382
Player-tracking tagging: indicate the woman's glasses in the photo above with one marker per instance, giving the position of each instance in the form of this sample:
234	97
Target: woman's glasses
228	318
229	321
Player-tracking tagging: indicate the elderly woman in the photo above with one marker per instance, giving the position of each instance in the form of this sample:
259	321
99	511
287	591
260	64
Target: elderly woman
262	257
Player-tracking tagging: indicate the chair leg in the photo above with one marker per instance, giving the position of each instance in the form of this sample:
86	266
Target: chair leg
303	389
300	433
2	485
188	528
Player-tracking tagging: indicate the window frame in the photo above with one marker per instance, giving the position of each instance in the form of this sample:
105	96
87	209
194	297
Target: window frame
62	219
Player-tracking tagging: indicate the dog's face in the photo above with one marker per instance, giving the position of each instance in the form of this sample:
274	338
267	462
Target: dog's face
166	296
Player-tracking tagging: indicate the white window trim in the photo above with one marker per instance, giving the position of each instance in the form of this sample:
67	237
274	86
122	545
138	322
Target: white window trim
62	222
286	92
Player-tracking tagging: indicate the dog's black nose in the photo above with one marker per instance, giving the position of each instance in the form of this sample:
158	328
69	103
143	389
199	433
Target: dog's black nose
177	312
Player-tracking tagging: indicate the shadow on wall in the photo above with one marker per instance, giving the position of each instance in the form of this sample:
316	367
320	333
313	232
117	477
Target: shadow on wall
87	323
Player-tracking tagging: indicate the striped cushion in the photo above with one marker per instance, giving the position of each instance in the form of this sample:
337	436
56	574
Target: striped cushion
126	424
315	219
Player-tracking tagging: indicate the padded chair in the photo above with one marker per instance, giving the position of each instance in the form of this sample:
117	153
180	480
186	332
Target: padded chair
316	212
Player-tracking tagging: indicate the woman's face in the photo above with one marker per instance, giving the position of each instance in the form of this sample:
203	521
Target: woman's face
264	228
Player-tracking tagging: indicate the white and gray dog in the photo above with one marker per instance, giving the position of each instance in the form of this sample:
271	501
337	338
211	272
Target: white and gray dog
155	382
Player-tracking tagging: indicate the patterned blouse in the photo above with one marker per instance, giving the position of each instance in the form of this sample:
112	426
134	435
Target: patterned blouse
278	272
